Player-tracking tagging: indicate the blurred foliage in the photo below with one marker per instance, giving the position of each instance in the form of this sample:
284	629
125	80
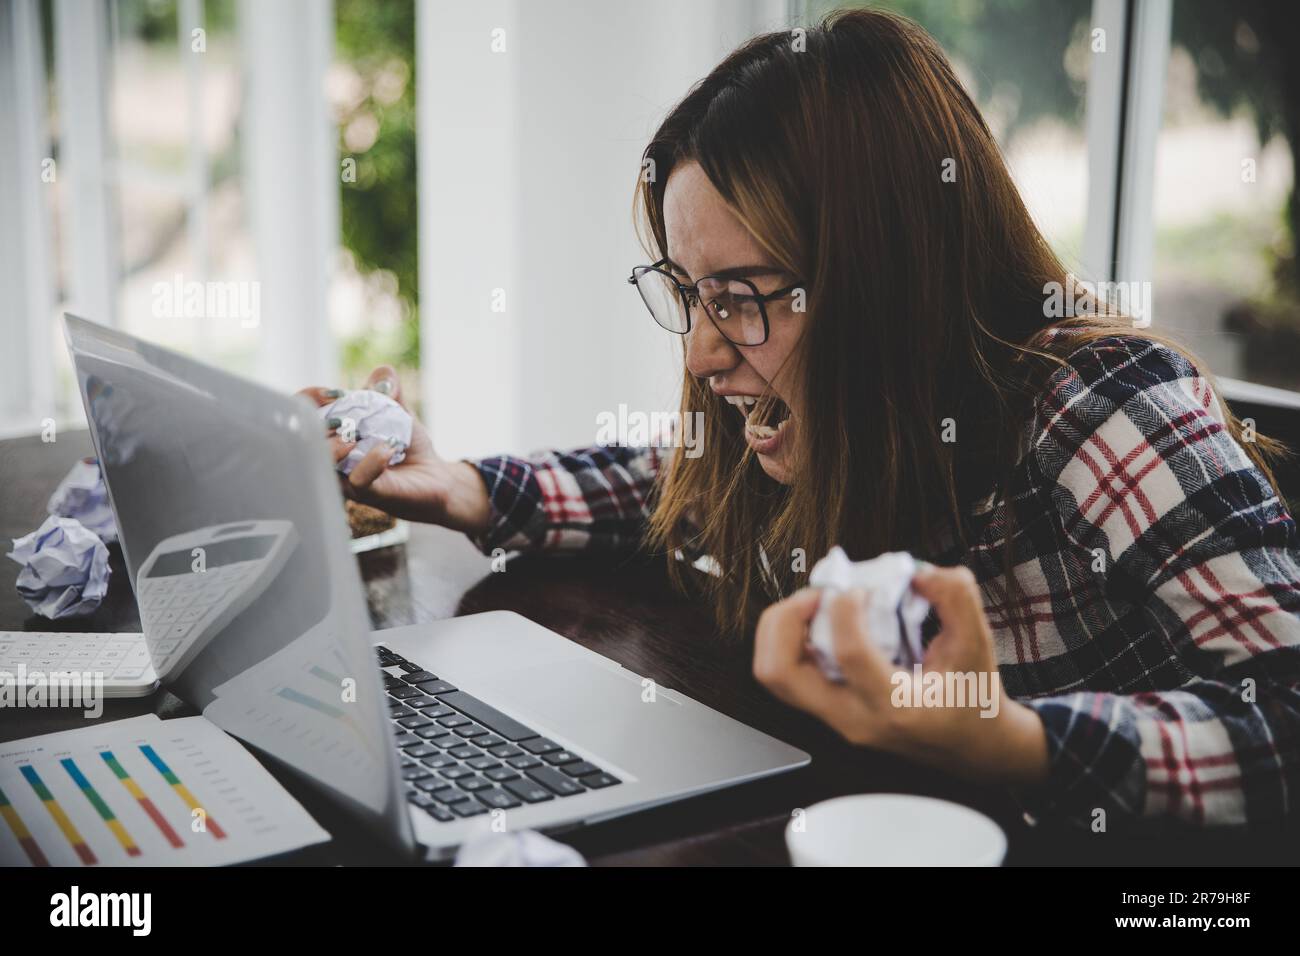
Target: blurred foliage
378	211
1243	53
1015	51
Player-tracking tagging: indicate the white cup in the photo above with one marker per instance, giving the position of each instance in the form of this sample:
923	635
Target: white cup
893	829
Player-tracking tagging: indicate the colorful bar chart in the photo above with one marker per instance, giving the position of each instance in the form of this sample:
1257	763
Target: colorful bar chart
101	807
181	790
23	835
147	805
70	832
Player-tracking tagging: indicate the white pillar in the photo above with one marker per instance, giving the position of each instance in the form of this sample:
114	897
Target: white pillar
26	277
90	221
291	170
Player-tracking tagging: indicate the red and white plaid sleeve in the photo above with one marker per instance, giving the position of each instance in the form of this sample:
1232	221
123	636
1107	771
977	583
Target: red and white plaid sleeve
587	499
1198	718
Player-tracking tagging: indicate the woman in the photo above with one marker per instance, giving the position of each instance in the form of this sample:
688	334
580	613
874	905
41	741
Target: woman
864	302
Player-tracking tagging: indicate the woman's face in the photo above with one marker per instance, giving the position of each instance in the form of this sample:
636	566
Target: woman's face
705	238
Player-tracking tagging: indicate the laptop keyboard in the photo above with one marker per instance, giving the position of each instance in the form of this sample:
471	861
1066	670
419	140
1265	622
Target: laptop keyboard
462	757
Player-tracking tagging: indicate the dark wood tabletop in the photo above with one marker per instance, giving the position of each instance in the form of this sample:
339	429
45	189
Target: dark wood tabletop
626	610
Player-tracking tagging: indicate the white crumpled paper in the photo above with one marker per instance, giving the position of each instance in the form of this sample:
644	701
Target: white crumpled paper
894	612
372	419
82	495
65	568
525	848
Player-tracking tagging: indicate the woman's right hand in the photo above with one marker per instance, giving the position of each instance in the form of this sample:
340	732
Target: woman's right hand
423	487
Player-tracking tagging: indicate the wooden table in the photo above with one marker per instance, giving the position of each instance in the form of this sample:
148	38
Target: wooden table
626	610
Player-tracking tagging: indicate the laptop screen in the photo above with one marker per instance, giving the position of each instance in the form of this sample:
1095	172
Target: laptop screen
236	542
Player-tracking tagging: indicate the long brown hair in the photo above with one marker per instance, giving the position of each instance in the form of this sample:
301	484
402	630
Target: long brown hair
925	297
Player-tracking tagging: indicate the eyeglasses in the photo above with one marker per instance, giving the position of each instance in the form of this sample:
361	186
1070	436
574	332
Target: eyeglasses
735	306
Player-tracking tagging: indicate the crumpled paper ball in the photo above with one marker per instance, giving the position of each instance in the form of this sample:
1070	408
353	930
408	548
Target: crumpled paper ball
894	612
374	419
524	848
83	495
65	568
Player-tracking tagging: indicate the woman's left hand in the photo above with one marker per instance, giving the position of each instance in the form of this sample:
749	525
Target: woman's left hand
981	733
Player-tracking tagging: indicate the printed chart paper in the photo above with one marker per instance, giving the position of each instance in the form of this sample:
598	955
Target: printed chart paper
143	791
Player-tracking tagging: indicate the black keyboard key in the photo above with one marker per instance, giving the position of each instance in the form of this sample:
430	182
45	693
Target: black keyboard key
434	734
554	781
455	773
455	720
483	763
426	705
437	687
491	740
415	722
528	791
470	784
561	756
439	762
500	774
445	740
498	799
412	668
470	730
404	738
419	750
396	710
465	752
503	751
414	677
488	716
392	683
450	795
598	780
540	746
524	762
468	809
421	800
431	784
404	691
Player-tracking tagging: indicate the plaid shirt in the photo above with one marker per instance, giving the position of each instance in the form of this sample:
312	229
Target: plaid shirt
1156	622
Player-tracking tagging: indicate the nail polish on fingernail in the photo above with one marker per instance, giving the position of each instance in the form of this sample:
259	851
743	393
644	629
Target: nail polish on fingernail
333	393
384	387
334	423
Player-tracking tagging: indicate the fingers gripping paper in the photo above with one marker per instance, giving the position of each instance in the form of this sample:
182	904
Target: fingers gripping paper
894	612
371	419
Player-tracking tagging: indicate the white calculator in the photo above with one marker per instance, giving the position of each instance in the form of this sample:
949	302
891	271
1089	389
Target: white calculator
193	584
120	659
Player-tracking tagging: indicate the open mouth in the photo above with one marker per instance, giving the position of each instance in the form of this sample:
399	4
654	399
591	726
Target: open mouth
765	416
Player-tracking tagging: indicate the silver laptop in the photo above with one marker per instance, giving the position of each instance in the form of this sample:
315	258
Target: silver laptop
233	529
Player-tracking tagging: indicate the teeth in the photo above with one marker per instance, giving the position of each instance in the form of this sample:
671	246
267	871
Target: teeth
762	431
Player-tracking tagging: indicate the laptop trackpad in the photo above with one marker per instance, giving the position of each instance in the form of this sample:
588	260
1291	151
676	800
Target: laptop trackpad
603	711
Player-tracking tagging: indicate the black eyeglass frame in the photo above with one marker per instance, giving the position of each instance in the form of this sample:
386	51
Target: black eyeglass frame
690	296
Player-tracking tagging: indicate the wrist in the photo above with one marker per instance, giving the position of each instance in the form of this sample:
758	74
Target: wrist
469	509
1019	745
